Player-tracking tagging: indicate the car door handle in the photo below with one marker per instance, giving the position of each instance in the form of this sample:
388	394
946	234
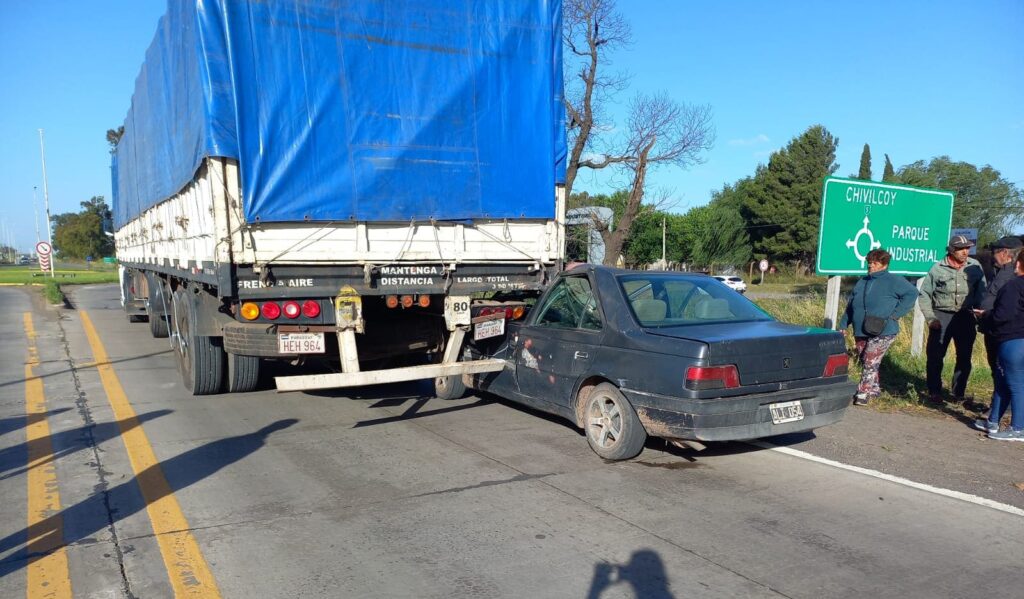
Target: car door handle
581	355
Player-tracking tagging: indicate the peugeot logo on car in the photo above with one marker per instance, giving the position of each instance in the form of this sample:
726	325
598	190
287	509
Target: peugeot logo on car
785	362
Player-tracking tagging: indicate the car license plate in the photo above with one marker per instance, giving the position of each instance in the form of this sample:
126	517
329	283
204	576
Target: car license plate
786	411
489	328
300	343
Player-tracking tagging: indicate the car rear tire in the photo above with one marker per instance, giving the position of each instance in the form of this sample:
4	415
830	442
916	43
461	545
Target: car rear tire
449	387
243	373
613	429
200	359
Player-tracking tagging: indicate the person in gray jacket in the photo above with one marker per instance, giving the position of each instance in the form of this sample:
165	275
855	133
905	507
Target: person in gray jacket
1004	253
950	292
886	298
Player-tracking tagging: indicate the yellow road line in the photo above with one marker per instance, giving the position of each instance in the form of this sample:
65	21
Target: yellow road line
189	574
47	571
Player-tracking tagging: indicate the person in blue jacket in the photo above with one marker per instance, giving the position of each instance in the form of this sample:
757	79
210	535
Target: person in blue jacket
875	306
1005	323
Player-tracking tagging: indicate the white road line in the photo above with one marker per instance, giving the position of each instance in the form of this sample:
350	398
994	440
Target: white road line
1002	507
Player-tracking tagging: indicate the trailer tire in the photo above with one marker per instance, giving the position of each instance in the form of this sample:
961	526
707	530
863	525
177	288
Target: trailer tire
243	373
449	387
200	359
159	326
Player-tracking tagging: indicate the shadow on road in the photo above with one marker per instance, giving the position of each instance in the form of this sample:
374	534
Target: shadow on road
644	574
14	423
84	366
92	515
66	442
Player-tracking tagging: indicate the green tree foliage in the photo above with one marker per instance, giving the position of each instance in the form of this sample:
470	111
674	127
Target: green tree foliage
888	175
644	243
782	203
865	164
719	235
114	137
78	235
984	199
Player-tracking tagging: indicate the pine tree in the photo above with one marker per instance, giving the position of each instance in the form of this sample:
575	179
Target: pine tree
888	175
783	203
865	164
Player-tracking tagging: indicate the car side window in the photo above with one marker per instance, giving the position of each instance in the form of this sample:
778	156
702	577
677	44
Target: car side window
570	305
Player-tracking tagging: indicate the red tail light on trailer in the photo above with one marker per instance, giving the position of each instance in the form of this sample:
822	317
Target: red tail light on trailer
311	308
271	310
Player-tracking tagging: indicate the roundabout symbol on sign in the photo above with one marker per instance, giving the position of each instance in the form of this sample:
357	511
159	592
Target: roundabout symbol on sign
852	243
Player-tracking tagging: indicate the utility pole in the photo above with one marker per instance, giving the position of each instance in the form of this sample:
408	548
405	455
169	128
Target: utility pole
46	200
35	210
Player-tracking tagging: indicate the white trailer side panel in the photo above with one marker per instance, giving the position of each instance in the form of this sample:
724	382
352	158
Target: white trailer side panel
180	232
204	223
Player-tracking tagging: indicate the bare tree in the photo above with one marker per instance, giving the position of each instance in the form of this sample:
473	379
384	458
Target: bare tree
592	30
659	131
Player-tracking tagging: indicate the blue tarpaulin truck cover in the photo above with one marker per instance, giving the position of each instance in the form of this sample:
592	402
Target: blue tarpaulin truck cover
341	110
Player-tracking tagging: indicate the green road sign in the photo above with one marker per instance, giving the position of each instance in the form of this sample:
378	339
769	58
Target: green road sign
910	223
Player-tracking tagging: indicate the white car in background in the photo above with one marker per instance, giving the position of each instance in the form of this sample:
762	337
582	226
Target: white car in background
733	282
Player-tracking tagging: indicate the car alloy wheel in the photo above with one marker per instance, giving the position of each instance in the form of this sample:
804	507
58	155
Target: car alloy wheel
613	429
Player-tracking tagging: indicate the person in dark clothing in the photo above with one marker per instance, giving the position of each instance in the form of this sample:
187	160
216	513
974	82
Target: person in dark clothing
1004	254
1005	323
879	295
950	292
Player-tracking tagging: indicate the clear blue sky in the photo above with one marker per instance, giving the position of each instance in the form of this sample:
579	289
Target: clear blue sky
913	79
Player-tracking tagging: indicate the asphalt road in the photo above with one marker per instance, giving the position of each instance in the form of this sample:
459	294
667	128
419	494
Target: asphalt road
115	483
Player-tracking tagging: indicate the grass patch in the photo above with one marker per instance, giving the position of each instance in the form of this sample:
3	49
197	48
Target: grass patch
902	376
64	274
51	289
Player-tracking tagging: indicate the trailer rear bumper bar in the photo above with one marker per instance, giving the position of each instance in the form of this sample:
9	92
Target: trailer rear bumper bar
378	377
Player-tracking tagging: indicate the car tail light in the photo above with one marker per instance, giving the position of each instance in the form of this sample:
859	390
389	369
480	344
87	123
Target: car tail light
517	312
311	308
423	301
391	301
292	309
407	301
250	311
712	377
271	310
837	364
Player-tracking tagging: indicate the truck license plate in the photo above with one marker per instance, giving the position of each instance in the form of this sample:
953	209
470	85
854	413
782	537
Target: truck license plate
787	411
300	343
489	328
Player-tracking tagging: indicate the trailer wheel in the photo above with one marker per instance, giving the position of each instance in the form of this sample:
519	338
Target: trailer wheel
449	387
158	325
200	359
243	373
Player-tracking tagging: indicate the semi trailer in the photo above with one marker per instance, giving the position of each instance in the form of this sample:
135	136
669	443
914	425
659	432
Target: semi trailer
360	187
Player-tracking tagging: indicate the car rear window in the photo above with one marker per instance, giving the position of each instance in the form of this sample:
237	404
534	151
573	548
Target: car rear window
668	301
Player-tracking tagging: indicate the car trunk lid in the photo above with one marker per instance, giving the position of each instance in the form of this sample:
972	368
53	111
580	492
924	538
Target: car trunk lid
764	351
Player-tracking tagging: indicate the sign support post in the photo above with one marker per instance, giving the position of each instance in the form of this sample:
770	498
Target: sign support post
917	330
832	302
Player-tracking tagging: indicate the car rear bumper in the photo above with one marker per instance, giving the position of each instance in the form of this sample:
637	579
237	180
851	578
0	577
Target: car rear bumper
739	418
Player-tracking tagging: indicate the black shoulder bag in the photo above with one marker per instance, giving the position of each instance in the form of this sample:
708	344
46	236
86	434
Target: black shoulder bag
873	325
